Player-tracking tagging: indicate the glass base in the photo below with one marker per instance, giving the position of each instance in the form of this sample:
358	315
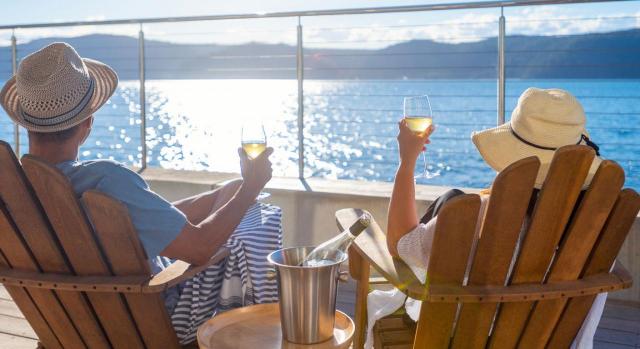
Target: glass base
427	175
262	195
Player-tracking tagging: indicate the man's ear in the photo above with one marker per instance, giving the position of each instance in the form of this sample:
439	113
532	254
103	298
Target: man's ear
86	129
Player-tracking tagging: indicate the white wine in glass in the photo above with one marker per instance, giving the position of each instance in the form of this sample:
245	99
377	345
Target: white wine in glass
418	124
253	139
253	149
418	115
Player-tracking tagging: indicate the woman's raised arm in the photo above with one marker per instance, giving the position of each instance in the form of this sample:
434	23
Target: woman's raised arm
402	216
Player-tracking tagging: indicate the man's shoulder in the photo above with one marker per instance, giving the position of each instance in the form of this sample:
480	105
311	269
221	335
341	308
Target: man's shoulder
108	169
102	165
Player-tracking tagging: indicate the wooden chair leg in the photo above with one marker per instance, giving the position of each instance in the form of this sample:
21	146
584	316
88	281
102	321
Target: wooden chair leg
359	270
361	313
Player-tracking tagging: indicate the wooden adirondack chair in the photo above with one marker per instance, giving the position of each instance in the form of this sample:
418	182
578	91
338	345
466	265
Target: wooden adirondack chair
79	283
575	238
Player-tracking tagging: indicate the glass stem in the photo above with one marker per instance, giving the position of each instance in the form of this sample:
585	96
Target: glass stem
424	160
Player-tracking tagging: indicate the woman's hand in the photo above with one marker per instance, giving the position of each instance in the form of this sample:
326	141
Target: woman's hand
411	144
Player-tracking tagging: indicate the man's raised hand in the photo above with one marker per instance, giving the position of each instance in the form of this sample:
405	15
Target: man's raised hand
256	172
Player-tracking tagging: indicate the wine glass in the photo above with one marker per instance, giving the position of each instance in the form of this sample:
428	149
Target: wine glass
418	115
253	140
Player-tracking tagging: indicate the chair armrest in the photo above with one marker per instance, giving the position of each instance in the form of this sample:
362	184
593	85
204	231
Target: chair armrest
180	271
174	274
55	281
371	244
618	279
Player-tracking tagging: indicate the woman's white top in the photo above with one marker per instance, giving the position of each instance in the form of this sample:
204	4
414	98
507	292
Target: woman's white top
414	248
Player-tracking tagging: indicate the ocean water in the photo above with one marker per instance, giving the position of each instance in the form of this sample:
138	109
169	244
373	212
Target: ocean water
350	126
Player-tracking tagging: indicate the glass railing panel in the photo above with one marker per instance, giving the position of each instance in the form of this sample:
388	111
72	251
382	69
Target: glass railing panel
592	56
6	71
205	79
357	73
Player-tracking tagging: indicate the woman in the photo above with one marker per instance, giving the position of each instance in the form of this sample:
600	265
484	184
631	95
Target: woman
543	121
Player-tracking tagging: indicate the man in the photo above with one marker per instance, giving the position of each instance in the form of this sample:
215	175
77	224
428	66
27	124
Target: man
54	96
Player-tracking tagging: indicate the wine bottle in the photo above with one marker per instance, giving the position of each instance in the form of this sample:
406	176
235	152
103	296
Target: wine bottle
331	250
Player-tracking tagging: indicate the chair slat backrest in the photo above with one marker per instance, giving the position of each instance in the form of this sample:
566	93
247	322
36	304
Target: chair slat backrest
454	232
76	237
582	233
613	235
505	214
26	302
553	209
125	254
28	243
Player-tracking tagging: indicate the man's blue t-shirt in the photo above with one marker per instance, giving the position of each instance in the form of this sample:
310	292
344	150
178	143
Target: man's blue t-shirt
156	220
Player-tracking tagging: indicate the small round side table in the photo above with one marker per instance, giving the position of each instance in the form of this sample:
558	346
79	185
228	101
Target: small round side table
258	326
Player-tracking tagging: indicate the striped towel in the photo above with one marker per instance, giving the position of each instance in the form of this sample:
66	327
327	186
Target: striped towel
237	281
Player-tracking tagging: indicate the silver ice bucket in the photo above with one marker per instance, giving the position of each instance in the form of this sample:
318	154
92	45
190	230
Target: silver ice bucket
307	296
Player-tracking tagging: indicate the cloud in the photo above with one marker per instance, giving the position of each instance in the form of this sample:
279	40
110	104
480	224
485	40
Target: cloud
473	27
550	21
95	18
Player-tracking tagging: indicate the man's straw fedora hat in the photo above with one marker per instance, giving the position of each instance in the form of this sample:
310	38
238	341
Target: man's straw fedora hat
55	89
543	121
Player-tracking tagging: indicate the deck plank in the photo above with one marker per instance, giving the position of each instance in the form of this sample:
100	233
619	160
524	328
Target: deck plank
16	342
4	294
17	327
622	310
605	345
620	325
9	308
616	337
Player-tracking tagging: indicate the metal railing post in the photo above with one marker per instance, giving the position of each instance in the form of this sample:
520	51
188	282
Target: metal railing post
14	69
300	77
143	101
501	67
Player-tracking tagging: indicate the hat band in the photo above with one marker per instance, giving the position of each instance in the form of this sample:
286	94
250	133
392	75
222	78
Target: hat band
582	138
62	117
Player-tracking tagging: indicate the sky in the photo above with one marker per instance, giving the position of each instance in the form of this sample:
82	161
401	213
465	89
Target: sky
363	31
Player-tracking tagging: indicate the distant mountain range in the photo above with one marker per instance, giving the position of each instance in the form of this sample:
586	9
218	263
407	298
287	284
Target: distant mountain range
614	55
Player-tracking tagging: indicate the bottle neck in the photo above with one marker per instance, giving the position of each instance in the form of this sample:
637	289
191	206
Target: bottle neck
357	228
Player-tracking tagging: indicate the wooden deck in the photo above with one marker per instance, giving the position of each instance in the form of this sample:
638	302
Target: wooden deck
618	329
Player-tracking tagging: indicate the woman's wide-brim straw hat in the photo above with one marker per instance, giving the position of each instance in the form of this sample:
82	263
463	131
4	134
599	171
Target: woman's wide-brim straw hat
55	89
543	121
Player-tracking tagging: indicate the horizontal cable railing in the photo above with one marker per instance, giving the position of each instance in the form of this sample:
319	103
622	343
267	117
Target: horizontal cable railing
461	96
349	89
